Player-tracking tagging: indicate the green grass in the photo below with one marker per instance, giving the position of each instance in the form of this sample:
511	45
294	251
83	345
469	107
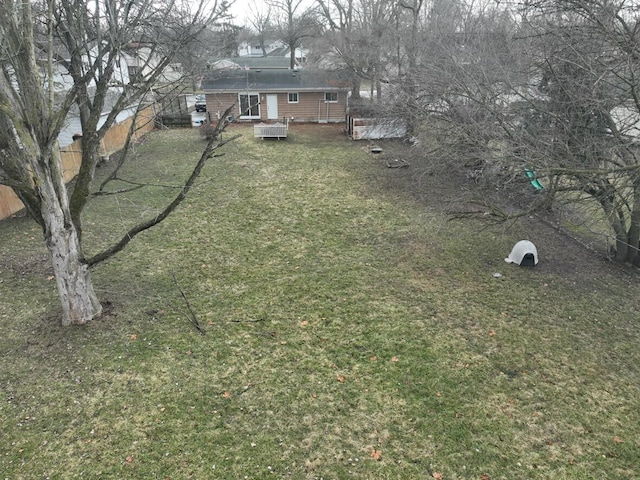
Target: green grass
342	317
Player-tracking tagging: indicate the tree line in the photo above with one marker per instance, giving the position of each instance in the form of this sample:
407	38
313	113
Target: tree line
547	88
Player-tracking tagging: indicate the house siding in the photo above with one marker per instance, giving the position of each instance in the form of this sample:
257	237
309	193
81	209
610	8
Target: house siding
217	103
310	107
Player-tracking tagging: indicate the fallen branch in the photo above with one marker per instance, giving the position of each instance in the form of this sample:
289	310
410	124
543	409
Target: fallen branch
247	320
190	314
395	163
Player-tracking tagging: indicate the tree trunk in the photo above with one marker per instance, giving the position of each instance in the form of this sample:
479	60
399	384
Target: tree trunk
73	279
82	186
603	192
634	225
622	236
292	56
75	288
622	248
355	87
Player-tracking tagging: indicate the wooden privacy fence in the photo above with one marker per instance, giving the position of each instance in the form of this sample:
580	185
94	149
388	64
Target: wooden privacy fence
71	155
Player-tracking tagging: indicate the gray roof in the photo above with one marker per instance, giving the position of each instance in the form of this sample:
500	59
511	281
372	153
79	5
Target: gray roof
256	62
275	80
281	52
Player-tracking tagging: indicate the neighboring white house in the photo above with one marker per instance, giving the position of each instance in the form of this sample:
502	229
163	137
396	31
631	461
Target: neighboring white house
141	61
273	49
62	82
250	63
250	49
627	120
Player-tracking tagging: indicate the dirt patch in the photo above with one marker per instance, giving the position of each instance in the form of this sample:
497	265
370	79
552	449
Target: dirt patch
461	192
329	131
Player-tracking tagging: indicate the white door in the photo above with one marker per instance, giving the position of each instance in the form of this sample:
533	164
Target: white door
272	107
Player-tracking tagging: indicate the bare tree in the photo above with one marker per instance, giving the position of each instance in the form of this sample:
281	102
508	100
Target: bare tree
31	115
414	7
359	33
220	38
261	25
582	126
223	39
294	22
550	87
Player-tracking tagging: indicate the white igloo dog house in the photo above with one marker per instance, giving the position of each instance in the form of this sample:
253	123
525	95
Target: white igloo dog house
523	253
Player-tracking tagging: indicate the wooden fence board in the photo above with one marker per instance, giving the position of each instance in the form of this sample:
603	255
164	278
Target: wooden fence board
71	155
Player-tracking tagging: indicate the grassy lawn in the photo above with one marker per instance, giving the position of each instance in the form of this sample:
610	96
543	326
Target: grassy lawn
351	332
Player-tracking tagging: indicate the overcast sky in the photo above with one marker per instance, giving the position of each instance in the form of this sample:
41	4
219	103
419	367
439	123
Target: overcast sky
242	8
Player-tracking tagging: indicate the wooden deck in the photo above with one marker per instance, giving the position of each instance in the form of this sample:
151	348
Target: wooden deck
272	130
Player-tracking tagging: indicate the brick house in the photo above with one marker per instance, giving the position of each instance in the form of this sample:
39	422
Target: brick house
277	95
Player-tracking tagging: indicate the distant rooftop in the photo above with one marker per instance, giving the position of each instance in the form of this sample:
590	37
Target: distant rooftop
251	62
275	80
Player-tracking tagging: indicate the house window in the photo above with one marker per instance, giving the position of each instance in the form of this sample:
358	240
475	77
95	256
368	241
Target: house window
293	97
249	105
331	97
